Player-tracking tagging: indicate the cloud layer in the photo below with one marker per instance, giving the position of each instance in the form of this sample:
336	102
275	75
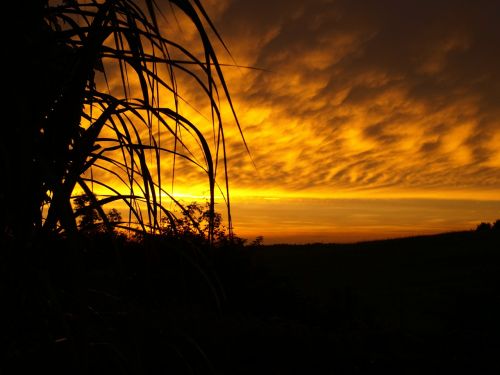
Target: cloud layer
365	95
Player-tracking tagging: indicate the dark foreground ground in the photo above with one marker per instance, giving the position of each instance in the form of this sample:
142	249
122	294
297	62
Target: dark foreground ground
424	305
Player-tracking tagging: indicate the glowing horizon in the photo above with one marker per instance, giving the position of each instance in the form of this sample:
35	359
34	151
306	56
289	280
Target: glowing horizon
351	102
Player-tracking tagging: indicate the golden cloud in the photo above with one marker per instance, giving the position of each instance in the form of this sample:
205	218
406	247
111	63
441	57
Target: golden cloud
385	99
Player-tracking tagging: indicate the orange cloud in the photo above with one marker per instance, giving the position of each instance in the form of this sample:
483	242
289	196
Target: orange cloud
385	99
372	95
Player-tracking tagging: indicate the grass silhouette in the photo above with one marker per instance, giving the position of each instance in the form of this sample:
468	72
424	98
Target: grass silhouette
70	294
77	124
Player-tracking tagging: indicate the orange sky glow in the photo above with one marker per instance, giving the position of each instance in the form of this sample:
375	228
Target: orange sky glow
365	120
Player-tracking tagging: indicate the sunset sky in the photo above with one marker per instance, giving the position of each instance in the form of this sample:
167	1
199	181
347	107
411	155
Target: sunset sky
365	119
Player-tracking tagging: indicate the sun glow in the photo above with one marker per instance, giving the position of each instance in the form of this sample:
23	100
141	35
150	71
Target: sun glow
335	114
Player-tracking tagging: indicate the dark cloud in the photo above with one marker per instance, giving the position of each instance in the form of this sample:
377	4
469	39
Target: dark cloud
429	147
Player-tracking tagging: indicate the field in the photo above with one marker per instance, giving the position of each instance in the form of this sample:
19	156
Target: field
408	306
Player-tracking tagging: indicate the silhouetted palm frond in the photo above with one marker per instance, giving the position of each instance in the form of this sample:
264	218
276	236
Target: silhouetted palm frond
83	129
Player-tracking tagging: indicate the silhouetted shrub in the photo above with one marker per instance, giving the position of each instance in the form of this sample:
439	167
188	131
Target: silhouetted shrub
483	227
259	240
193	226
496	226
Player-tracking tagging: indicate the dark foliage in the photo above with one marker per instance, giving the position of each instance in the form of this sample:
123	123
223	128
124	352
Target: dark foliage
496	226
69	121
78	296
487	227
483	227
194	226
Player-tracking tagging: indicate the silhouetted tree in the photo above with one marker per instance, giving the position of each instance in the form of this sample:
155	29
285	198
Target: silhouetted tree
483	227
257	242
194	224
90	222
496	226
